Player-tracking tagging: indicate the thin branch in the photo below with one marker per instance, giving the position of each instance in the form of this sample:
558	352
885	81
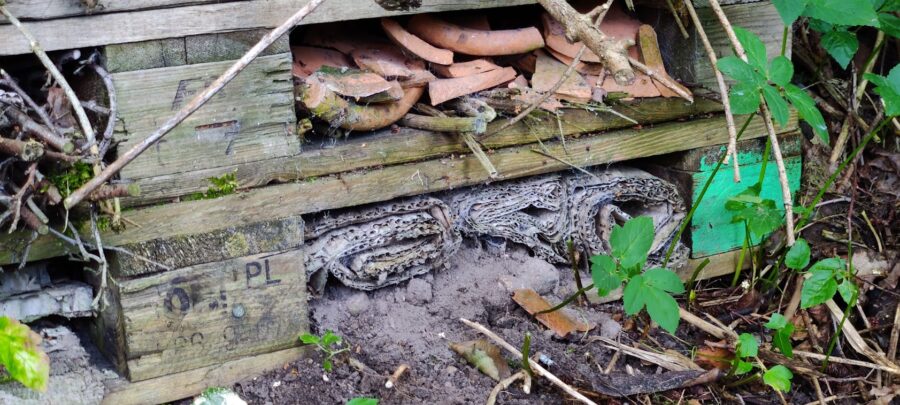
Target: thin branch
189	108
41	113
662	79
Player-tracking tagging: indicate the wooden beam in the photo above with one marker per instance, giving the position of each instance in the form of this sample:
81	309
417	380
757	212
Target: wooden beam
67	25
364	187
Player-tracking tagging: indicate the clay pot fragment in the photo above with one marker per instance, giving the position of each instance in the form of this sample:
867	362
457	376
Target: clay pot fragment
441	90
309	59
466	68
414	44
548	71
653	59
327	105
353	83
475	42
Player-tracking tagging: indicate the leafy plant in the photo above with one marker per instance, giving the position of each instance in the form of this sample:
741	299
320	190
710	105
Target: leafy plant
21	355
71	179
759	79
330	344
782	337
363	401
777	377
823	279
630	244
889	90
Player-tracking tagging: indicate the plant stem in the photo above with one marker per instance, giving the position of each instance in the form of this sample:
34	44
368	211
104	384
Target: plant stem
566	301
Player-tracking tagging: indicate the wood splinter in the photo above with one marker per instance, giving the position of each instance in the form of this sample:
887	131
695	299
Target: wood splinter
395	377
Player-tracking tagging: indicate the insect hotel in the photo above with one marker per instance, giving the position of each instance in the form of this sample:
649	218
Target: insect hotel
360	148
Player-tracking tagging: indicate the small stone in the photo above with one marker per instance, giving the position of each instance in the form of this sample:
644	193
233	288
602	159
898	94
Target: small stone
538	275
450	370
358	303
418	291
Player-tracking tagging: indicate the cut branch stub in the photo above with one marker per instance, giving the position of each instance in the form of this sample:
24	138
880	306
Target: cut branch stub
579	27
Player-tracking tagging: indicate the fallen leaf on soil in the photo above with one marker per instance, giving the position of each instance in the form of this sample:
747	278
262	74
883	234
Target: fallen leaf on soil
714	357
484	356
557	321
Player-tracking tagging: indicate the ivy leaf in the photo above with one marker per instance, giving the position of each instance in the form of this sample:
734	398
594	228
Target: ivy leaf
777	105
744	98
781	70
633	297
21	355
663	309
777	321
841	45
789	10
739	70
797	257
747	346
889	90
631	243
818	288
847	289
807	109
742	367
843	12
754	47
890	24
779	378
664	279
603	272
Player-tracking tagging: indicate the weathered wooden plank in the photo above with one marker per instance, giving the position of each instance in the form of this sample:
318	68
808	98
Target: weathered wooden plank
410	145
188	50
688	58
390	182
705	159
250	121
132	24
268	235
189	383
210	313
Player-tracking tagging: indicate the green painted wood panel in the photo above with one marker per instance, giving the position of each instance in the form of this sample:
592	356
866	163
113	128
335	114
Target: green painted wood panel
711	229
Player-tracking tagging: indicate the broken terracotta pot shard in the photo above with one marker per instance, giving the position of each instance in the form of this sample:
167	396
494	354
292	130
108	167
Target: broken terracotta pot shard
557	321
325	104
653	59
475	42
308	59
352	83
617	25
465	68
394	93
594	69
387	61
415	44
549	71
442	90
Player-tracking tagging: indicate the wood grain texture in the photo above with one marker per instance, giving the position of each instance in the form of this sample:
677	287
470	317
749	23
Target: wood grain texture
211	313
384	148
251	121
142	20
190	383
390	182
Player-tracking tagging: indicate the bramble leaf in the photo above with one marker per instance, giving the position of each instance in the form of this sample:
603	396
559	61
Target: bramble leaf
663	309
797	257
631	243
633	296
889	90
847	289
309	339
754	47
781	70
841	45
743	98
779	378
21	355
842	12
832	264
739	70
747	346
782	337
818	288
789	10
742	367
776	104
806	108
603	272
664	279
777	321
329	339
363	401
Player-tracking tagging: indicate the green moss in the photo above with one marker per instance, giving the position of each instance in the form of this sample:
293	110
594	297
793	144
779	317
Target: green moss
72	179
219	186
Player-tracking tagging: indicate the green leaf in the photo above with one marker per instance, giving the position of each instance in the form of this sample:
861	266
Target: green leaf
327	365
781	70
779	378
807	109
843	12
890	24
762	218
21	354
747	346
742	367
797	257
841	45
777	105
888	5
363	401
889	90
603	272
819	25
739	70
782	340
847	289
789	10
633	296
330	339
831	264
777	321
664	279
754	47
309	339
743	98
631	243
663	309
818	288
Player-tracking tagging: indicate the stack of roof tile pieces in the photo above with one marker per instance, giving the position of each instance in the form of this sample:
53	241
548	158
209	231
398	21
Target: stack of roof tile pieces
362	82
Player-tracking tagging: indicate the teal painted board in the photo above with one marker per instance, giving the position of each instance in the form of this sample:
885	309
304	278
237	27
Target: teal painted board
712	231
